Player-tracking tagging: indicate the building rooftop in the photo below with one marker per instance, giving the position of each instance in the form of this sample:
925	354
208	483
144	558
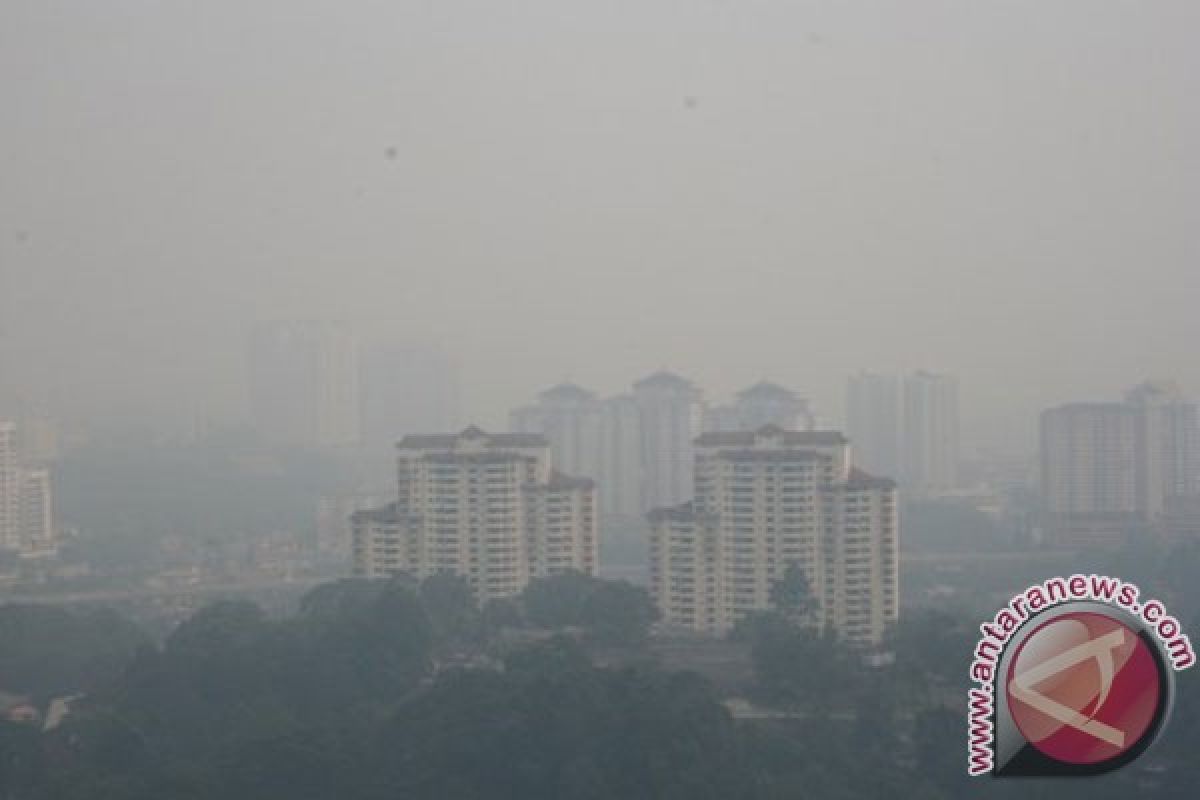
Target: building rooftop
859	479
449	441
788	438
567	391
664	380
765	390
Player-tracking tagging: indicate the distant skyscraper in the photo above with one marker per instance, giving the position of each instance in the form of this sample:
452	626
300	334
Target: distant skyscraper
488	507
669	407
1089	473
1109	469
620	478
873	421
767	500
37	512
929	434
407	390
762	404
1166	436
10	488
304	383
26	502
569	417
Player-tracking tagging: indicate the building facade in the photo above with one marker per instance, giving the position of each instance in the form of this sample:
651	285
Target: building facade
1165	443
637	446
764	403
1110	470
929	434
669	411
620	457
569	417
873	421
766	500
26	500
488	507
10	488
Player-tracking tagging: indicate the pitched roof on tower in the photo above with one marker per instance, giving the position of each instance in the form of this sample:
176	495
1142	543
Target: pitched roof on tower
447	441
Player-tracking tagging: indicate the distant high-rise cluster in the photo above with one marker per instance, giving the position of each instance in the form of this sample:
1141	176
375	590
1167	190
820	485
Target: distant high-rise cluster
26	501
313	384
730	509
638	446
764	403
304	383
1108	469
767	500
488	507
907	427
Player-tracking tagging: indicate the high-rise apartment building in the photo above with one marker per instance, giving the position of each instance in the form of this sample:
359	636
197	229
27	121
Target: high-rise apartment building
37	536
1109	469
766	500
10	488
26	502
873	421
1089	473
638	446
669	409
1166	442
569	417
764	403
489	507
620	476
929	434
304	383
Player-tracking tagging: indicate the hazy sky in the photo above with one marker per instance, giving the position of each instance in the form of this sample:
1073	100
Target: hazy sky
1009	190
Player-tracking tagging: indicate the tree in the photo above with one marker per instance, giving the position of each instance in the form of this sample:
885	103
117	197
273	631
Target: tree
613	612
47	651
451	606
792	596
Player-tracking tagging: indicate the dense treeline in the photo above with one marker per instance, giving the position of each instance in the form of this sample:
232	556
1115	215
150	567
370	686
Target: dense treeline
394	690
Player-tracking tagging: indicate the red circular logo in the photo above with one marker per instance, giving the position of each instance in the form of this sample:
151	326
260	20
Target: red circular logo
1084	688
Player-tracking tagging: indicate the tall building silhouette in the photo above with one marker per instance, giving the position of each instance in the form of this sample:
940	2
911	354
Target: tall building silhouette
669	408
1110	470
929	434
488	507
764	403
873	421
768	500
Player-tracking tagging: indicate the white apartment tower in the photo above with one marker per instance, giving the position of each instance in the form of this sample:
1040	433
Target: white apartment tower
766	500
764	403
873	421
1166	445
1110	469
489	507
929	439
1089	473
569	417
669	410
26	502
620	457
37	513
10	488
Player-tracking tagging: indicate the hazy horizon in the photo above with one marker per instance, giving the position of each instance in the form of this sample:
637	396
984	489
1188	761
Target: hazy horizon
586	191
